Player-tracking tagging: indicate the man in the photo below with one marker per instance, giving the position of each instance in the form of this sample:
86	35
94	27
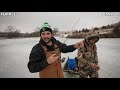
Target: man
87	57
45	57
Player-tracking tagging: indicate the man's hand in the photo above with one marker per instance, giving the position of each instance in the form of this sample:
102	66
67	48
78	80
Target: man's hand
52	58
79	45
95	66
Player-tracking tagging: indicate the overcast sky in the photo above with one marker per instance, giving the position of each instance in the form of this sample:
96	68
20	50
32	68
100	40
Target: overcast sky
64	21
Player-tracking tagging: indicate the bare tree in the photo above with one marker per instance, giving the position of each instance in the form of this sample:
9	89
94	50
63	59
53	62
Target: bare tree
11	32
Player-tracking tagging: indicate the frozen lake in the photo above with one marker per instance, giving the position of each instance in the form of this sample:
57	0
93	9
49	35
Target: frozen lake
14	56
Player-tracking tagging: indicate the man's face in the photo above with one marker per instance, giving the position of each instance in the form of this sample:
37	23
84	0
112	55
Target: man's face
46	36
92	41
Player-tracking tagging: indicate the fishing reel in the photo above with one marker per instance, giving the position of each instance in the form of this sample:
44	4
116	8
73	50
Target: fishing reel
63	59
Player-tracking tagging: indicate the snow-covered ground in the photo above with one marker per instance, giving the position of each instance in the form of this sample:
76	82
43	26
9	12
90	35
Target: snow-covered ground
14	56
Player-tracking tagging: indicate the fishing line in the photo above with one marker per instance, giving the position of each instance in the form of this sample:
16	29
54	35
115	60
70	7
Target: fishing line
72	28
106	72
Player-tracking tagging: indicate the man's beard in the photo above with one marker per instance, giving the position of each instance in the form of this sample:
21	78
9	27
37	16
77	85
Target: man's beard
47	40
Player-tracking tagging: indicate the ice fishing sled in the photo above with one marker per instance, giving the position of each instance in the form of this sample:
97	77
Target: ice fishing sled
71	66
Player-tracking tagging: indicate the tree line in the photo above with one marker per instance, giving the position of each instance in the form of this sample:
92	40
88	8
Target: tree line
114	34
12	32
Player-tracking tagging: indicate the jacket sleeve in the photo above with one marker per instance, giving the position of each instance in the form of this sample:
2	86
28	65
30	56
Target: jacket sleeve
36	61
96	56
66	48
82	61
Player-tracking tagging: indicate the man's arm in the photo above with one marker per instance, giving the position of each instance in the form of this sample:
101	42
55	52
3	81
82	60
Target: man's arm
36	62
69	48
96	56
84	62
80	57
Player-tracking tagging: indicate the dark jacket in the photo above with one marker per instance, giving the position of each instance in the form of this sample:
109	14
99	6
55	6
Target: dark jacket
37	59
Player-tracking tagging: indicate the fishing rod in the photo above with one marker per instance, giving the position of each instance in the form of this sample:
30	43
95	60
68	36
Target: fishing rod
63	59
72	28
